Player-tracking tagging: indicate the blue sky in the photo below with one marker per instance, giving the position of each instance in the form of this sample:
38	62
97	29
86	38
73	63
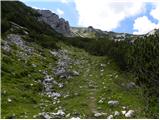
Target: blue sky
119	17
127	24
70	13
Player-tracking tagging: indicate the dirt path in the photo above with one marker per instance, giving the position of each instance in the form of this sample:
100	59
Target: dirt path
92	90
96	86
92	101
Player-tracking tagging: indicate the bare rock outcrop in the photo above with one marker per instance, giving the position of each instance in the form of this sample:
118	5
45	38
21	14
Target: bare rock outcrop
52	19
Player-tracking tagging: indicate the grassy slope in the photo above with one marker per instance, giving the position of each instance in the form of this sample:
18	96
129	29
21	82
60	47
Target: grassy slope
104	86
18	77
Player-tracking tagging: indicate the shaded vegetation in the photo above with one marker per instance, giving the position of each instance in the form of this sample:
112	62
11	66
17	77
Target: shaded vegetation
27	17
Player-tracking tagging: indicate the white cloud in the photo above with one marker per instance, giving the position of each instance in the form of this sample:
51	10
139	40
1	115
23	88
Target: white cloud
64	1
44	9
57	11
106	15
155	12
60	12
143	25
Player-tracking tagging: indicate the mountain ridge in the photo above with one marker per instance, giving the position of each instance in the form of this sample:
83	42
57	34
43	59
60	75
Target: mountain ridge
62	26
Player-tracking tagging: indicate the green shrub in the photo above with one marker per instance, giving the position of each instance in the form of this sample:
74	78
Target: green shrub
47	41
5	25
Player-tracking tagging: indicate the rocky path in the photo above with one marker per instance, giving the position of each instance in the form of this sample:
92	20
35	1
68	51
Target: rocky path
91	76
95	75
71	83
92	101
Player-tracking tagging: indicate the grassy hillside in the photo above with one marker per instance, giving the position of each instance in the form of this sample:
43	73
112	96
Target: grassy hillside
23	90
45	75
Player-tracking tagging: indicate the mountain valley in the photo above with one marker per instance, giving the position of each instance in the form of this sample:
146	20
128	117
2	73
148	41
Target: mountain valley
51	70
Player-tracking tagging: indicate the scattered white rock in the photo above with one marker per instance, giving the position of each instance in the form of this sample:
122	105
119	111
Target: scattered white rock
116	76
45	115
75	73
55	94
76	94
58	113
116	113
4	92
113	102
54	53
102	70
97	114
102	65
44	72
100	101
25	32
104	114
110	117
75	118
9	100
58	101
61	85
5	46
34	116
65	96
15	39
110	75
100	114
55	98
34	65
68	115
48	78
129	114
123	112
25	116
59	107
54	103
131	85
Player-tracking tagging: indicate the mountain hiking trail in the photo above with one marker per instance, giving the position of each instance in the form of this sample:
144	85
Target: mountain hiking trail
66	83
99	82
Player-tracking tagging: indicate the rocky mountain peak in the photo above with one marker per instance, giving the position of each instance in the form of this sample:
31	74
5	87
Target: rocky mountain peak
52	19
90	29
153	32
